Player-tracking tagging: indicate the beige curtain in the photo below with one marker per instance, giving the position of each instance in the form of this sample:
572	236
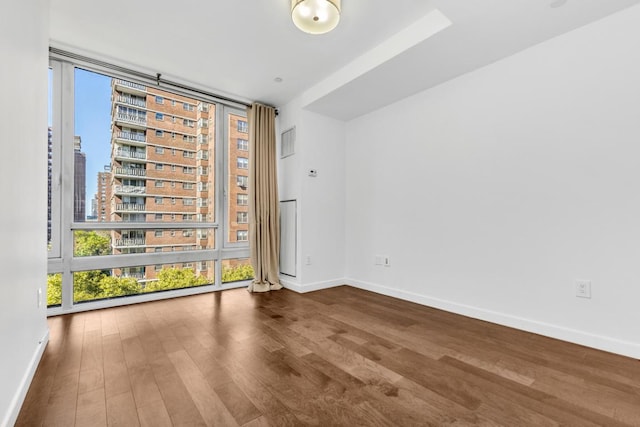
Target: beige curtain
264	212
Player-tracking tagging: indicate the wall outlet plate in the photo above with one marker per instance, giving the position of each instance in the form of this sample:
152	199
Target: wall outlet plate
583	288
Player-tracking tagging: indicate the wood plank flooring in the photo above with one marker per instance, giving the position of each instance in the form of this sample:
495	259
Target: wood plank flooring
337	357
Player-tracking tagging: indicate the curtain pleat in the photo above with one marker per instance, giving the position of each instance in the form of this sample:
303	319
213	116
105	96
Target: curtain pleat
264	209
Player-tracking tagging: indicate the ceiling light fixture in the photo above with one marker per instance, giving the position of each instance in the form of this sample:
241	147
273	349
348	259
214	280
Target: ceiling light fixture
315	16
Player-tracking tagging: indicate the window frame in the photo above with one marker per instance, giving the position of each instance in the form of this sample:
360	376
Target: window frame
63	69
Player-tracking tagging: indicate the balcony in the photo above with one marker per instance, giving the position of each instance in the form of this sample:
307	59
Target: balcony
130	171
131	136
130	189
134	120
137	276
130	87
129	154
129	100
130	207
125	242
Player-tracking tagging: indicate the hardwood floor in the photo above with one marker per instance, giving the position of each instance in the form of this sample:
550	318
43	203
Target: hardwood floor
340	356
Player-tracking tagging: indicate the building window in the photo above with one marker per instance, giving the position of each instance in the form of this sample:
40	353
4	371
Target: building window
242	235
133	189
243	126
243	217
243	163
243	200
173	168
243	144
242	181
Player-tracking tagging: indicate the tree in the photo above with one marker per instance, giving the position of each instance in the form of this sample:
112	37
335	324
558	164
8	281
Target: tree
54	289
175	278
237	273
91	243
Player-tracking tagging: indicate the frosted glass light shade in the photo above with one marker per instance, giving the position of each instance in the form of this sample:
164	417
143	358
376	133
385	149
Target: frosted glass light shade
315	16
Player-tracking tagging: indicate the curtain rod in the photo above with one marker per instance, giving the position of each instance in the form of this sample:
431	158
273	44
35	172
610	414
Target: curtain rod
157	78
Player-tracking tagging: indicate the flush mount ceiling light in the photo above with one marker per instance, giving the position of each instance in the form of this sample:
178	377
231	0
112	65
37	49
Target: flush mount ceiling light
315	16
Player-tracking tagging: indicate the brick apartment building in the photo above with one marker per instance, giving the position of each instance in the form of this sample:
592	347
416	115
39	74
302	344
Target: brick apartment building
163	170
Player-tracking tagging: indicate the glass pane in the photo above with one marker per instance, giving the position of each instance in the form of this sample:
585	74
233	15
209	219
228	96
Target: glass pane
141	154
54	289
235	270
118	282
238	179
134	241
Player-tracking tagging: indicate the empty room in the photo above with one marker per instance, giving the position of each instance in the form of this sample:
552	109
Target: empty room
320	212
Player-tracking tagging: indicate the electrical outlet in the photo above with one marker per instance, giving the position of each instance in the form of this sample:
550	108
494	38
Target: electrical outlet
583	288
307	260
379	260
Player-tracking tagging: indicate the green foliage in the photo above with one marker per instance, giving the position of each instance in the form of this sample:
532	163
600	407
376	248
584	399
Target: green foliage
175	278
237	273
91	243
54	289
90	285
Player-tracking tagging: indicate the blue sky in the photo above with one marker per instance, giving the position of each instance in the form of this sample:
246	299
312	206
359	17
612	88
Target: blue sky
93	124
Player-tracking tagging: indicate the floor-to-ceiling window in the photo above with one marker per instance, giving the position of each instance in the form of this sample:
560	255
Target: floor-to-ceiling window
147	190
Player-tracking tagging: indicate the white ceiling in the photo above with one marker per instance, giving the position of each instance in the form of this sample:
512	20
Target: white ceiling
238	47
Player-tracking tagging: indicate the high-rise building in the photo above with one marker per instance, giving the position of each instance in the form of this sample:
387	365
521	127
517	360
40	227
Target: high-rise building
163	169
103	195
79	181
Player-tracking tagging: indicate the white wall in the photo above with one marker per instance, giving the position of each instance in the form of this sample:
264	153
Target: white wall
24	35
493	192
320	145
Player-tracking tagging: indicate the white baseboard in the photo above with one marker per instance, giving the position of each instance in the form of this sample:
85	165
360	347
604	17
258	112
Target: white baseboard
625	348
310	287
17	401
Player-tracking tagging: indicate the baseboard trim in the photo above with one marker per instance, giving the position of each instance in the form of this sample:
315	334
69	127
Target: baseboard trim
612	345
18	399
310	287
